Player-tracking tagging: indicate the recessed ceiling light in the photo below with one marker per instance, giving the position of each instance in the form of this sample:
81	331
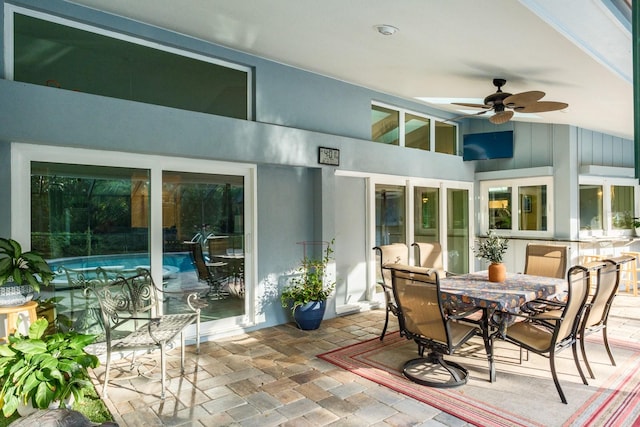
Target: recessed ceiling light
386	30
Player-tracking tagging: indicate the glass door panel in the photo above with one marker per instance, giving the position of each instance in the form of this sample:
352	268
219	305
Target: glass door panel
91	223
390	214
458	230
426	220
207	210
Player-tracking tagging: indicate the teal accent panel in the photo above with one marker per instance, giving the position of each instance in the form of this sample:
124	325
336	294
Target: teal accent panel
635	18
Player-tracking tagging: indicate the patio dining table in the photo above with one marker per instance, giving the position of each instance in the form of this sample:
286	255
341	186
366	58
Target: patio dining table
498	301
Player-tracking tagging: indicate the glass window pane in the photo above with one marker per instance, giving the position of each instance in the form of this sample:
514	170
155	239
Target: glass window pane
500	208
416	130
52	54
207	209
390	214
426	216
533	207
458	231
622	207
385	125
85	217
591	207
446	137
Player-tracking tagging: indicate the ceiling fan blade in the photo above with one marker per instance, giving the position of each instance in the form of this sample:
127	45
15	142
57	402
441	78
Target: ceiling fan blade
464	104
465	115
523	99
501	117
542	106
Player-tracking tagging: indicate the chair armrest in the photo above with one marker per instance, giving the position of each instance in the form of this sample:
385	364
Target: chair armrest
463	315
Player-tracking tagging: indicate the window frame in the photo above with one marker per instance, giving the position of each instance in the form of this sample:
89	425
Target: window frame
432	127
606	183
8	45
23	154
515	184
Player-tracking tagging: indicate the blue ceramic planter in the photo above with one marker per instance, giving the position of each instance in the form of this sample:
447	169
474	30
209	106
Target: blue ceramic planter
309	316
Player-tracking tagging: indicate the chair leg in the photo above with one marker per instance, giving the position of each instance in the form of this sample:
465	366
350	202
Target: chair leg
584	356
574	348
386	323
555	377
198	335
606	345
163	368
182	352
106	374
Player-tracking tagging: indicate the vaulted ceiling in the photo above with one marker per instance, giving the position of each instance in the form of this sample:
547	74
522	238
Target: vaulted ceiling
576	51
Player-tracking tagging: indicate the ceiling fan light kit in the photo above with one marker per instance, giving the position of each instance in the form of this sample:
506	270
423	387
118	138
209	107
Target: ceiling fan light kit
503	104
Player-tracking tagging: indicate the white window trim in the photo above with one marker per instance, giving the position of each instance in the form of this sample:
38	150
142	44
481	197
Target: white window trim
10	10
432	127
23	154
606	184
483	213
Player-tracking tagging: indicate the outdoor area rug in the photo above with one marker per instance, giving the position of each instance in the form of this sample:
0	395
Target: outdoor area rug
523	394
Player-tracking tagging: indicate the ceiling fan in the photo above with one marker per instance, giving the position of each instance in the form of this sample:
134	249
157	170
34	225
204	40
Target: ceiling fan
504	104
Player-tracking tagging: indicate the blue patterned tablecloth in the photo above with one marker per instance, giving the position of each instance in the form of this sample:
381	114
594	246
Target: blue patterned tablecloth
475	290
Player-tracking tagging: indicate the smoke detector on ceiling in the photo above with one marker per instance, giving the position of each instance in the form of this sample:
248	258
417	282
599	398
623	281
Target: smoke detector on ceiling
386	30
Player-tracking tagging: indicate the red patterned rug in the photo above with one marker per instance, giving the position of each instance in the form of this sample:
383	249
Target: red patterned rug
523	394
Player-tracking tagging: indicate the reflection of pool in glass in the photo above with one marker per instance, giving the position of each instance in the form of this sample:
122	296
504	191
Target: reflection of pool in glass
173	263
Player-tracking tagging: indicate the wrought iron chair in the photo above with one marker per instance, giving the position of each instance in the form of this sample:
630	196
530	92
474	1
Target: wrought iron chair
546	260
133	321
554	330
396	253
422	318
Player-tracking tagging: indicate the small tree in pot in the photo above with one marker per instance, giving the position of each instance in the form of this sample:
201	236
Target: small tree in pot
493	249
307	293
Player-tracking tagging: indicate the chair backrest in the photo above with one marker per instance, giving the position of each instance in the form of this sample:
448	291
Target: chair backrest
579	282
124	298
218	245
396	253
607	282
417	293
546	260
428	254
197	257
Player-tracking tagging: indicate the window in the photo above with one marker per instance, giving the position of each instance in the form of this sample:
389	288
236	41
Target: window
386	125
390	125
517	206
607	206
78	57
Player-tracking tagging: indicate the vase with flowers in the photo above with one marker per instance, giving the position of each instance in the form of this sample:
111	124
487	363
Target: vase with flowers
493	248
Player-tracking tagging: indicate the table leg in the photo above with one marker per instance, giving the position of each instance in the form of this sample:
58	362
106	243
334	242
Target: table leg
488	343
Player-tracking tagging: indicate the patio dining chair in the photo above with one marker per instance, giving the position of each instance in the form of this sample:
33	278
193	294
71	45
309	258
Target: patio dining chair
546	260
422	319
396	253
549	332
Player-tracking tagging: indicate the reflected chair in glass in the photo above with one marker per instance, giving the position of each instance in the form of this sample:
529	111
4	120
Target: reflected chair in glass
546	260
550	332
207	272
396	253
422	319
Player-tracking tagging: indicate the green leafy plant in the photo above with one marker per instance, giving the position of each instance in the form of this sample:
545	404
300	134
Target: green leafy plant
309	284
40	369
492	248
22	268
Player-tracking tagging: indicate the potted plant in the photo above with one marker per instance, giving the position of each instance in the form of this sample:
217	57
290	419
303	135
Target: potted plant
308	291
41	369
493	248
21	273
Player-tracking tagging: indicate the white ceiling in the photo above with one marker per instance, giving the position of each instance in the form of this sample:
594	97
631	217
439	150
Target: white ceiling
574	50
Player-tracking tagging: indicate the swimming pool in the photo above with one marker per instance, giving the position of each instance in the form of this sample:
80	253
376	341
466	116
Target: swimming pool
172	263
